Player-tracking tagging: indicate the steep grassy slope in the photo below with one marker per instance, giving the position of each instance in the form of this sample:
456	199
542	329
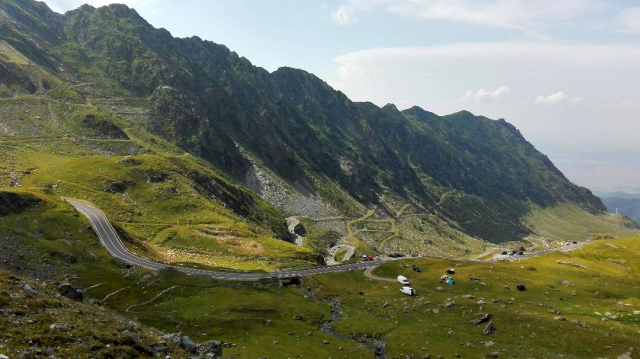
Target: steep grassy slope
36	321
83	90
46	239
568	295
571	223
165	213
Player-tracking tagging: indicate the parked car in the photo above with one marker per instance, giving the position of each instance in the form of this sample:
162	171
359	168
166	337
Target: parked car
403	280
408	291
370	258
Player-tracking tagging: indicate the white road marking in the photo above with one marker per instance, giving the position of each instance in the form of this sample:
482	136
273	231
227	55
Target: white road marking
111	241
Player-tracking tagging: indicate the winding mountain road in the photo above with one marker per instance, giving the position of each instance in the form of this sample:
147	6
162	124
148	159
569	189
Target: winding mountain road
112	242
292	222
350	252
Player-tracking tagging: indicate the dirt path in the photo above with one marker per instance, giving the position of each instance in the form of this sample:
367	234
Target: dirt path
369	274
152	299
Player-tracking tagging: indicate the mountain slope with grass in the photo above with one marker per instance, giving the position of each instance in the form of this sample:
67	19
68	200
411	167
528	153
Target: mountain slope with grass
199	155
629	207
587	299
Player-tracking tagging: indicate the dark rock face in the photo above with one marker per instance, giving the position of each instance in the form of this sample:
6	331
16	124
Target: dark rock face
14	77
300	230
12	203
117	187
101	128
68	291
240	201
156	177
212	103
288	237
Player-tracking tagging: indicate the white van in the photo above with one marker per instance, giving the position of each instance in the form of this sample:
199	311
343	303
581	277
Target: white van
408	291
403	280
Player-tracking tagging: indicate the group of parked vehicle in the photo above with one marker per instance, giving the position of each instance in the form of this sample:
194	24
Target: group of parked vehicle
406	289
515	252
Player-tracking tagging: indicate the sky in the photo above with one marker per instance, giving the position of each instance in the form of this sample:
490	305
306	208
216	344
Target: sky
565	72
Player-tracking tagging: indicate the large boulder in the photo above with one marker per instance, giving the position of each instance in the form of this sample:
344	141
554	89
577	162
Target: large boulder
489	329
188	345
68	291
211	349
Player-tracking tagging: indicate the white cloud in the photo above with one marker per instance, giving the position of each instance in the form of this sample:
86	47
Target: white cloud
551	99
483	95
514	14
350	77
343	16
522	51
555	98
587	83
629	19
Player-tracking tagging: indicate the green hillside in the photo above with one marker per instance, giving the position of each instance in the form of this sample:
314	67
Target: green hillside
578	304
199	155
629	207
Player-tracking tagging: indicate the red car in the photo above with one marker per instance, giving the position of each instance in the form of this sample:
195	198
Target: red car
370	258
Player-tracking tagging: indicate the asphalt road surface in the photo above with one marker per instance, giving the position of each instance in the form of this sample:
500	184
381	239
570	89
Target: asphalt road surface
350	252
111	241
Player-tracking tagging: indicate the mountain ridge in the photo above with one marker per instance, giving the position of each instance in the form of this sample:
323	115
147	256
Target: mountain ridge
415	170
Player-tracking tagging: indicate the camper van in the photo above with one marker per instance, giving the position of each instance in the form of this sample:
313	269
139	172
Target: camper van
403	280
408	291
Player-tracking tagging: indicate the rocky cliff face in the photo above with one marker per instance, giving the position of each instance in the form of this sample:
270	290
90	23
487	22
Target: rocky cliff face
480	175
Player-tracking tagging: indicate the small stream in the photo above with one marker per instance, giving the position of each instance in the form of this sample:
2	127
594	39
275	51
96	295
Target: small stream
378	346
